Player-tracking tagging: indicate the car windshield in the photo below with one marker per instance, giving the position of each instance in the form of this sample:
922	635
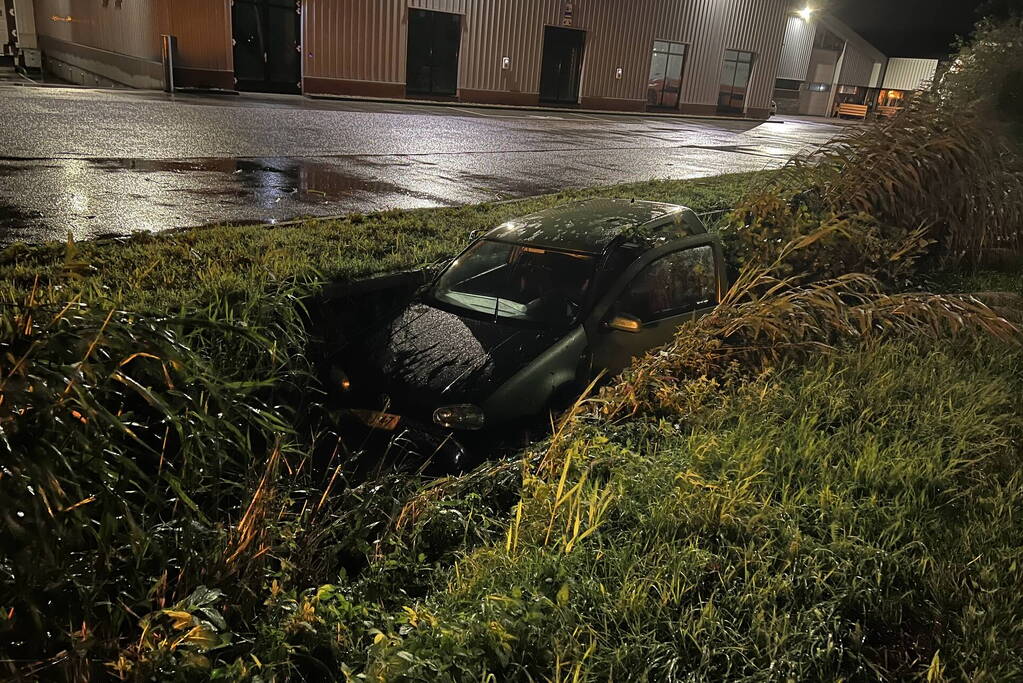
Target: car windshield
517	282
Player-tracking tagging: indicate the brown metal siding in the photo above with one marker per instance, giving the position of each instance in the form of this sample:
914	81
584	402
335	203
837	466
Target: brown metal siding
615	41
359	40
203	29
128	30
365	40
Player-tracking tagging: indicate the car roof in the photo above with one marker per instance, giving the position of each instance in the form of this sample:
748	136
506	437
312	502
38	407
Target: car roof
592	226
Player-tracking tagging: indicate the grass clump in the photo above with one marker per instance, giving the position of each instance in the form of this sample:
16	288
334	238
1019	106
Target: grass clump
935	186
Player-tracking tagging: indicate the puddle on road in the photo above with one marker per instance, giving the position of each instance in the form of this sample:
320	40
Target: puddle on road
305	180
86	198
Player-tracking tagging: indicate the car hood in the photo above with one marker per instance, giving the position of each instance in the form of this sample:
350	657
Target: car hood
429	357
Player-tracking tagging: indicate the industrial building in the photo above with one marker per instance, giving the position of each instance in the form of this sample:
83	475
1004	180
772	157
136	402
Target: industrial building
690	56
824	63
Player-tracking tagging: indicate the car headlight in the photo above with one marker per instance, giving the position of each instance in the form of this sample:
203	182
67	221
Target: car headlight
460	417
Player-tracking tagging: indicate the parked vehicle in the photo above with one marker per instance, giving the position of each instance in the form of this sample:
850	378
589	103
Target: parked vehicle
528	315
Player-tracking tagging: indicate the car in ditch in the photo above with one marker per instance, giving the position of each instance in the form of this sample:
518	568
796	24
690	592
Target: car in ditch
525	318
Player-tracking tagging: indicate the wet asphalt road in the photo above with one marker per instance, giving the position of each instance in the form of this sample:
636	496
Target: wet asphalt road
99	162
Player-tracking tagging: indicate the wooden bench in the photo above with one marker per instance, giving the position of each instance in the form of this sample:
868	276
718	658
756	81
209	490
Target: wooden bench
888	112
856	110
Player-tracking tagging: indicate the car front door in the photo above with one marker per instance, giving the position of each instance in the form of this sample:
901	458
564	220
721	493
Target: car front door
655	297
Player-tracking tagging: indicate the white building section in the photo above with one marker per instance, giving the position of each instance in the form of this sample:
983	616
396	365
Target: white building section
909	74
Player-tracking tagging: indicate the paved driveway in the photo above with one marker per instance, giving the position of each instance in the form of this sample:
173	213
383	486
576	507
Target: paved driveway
95	162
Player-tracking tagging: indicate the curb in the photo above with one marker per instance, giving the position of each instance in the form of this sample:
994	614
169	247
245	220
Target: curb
415	102
512	107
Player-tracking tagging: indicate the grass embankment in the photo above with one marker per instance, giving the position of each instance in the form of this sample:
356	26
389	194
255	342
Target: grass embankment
142	450
856	517
196	268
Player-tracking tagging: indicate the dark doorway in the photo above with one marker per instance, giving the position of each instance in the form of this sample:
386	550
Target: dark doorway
434	39
8	29
267	36
562	66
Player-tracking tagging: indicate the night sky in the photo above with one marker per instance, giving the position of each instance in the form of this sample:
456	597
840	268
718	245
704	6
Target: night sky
907	28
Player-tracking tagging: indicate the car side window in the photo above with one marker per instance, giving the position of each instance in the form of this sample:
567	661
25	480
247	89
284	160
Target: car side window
680	282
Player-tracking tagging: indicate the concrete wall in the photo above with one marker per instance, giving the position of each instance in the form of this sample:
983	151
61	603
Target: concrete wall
823	64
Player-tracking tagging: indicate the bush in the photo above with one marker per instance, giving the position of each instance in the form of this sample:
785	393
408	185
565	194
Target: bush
986	75
932	182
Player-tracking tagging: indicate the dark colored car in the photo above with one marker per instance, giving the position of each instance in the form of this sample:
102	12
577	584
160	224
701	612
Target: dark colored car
529	314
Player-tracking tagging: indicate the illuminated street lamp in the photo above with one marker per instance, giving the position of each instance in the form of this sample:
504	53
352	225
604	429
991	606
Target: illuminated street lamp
806	13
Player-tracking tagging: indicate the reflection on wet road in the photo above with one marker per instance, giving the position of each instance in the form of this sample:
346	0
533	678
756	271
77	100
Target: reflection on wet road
90	162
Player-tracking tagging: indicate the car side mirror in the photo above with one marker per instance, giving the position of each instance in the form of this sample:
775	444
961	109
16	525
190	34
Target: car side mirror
623	322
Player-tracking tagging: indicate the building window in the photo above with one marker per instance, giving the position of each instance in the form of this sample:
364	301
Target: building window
819	87
787	84
666	69
851	94
735	78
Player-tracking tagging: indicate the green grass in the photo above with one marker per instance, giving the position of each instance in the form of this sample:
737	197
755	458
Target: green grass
856	518
196	268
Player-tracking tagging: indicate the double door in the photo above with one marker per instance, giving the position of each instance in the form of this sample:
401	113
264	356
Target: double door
434	41
267	45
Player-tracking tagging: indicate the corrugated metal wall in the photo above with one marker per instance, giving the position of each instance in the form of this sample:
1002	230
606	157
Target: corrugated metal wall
203	29
128	29
862	65
365	40
909	74
361	40
700	24
798	45
758	26
133	28
860	69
